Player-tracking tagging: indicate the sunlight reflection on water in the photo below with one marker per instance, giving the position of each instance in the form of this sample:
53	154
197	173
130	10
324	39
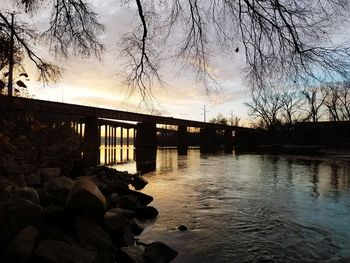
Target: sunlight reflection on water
250	208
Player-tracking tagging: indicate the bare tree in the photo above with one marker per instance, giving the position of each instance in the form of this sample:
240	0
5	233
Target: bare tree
314	101
219	119
331	101
291	102
266	105
283	41
73	29
337	100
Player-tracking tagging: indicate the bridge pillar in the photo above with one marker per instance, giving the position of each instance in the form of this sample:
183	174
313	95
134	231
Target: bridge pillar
208	139
228	140
91	147
146	135
182	141
146	147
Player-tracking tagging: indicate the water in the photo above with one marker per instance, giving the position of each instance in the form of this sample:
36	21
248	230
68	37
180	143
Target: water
250	208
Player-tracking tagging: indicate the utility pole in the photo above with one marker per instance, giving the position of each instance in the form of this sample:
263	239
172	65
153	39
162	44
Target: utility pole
205	112
11	62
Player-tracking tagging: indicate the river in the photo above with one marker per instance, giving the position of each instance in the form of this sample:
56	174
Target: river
250	208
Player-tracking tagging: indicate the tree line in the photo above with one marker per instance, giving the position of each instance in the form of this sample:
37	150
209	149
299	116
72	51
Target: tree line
275	107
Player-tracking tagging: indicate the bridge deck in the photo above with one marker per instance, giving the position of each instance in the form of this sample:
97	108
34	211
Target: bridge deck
58	108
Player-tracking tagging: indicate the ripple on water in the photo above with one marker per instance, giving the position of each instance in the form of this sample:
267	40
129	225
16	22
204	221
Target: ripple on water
251	208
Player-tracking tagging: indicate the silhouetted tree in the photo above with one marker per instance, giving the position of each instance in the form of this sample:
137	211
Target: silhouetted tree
291	102
266	105
314	101
283	41
219	119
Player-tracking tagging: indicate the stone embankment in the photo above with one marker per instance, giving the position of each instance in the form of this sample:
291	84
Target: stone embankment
54	209
94	218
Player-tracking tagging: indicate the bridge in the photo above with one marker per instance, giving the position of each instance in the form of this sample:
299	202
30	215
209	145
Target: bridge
89	120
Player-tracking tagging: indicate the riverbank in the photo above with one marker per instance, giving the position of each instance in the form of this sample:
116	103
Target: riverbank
54	208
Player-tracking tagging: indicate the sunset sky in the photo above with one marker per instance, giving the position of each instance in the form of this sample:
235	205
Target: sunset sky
96	82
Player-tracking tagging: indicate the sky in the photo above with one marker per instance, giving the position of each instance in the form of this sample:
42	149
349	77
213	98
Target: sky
94	82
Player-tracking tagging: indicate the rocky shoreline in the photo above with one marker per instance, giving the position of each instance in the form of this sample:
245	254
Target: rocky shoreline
92	218
54	208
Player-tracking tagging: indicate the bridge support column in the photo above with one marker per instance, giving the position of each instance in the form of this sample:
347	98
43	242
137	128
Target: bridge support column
182	141
146	135
228	141
208	140
91	154
146	147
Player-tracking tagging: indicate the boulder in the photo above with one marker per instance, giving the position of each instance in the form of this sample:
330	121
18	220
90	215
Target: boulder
139	182
143	199
136	226
49	173
61	184
21	213
116	218
17	179
6	185
130	254
44	196
85	199
33	179
148	212
123	237
22	245
5	234
129	202
52	251
159	252
92	235
58	188
28	193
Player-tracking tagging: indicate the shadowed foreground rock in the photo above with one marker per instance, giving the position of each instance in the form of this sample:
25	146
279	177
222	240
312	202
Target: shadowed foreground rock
71	220
55	209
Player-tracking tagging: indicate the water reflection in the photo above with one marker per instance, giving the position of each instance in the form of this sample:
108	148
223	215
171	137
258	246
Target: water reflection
116	155
250	208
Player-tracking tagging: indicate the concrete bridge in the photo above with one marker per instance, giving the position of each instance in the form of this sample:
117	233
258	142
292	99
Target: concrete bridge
89	120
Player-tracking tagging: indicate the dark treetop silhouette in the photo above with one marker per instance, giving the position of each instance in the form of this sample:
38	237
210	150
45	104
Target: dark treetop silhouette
284	41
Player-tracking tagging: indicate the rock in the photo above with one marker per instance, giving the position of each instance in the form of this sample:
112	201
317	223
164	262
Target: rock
123	237
58	188
136	226
49	173
182	228
52	251
129	202
6	185
106	257
92	235
116	218
21	212
143	199
22	245
44	196
17	179
130	254
145	213
12	167
85	199
61	184
28	193
5	234
112	200
33	179
139	182
158	252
